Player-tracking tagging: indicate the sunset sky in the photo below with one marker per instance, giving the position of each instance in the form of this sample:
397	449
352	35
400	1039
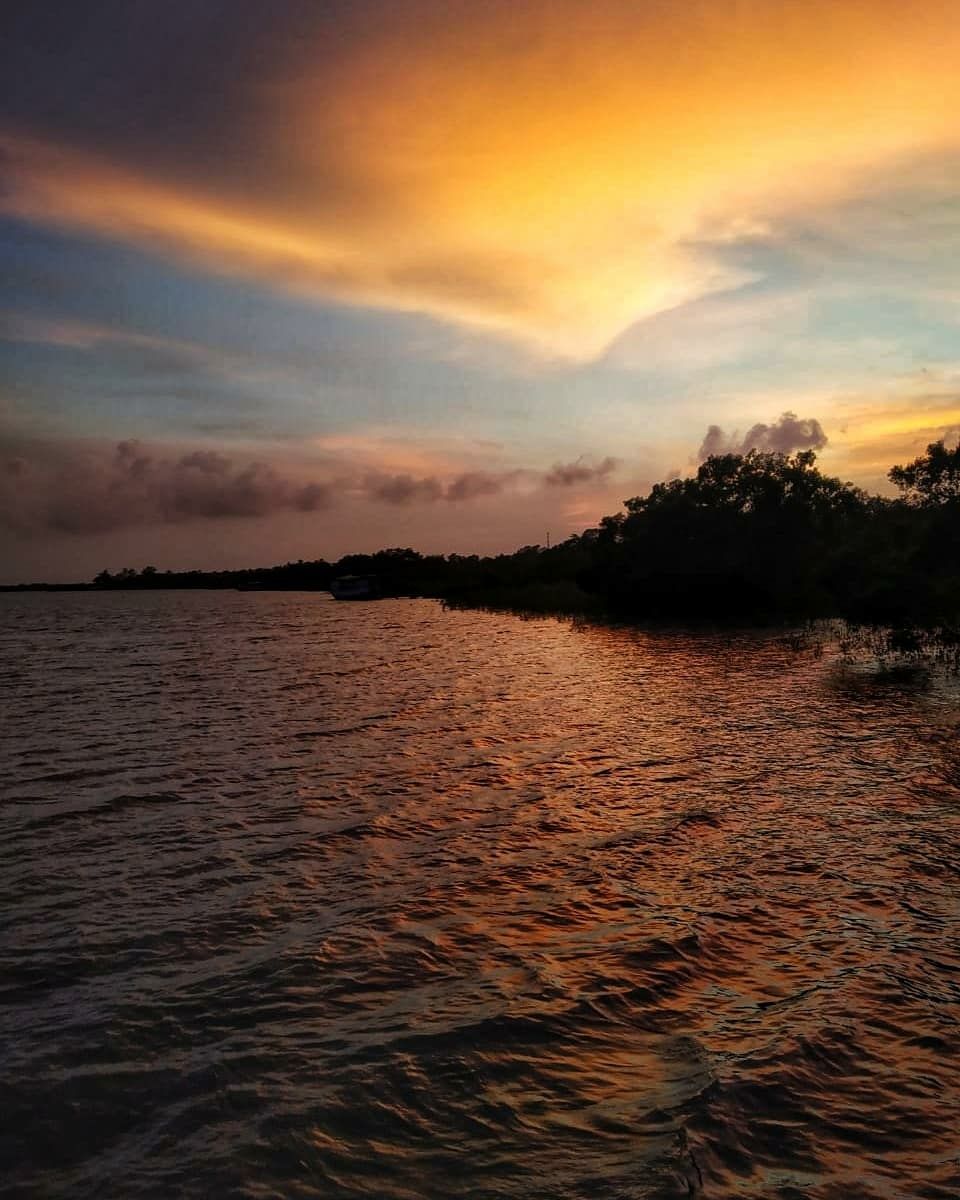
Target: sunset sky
289	279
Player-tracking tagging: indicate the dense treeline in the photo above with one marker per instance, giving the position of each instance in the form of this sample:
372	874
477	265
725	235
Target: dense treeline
755	537
759	537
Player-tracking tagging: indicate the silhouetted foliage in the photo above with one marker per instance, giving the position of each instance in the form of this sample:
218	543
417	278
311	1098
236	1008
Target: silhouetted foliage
749	536
754	537
933	478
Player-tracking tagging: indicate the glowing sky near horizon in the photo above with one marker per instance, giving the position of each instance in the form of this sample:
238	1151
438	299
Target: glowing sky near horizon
363	243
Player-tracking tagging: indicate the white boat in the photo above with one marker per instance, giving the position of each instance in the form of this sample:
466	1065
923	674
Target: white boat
355	587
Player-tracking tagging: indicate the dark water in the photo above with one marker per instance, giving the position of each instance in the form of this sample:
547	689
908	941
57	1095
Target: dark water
305	899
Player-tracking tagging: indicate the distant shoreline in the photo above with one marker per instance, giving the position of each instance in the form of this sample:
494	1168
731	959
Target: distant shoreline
760	539
47	587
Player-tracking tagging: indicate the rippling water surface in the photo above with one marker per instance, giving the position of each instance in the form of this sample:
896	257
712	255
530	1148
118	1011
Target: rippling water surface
311	899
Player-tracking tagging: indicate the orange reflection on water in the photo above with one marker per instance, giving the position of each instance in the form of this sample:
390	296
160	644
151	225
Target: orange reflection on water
467	905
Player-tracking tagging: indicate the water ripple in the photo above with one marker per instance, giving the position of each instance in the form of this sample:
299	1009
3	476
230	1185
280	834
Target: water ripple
306	899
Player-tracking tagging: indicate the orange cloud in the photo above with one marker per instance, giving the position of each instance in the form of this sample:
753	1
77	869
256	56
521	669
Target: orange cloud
553	171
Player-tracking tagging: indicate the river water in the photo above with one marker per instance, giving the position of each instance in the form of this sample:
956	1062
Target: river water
306	899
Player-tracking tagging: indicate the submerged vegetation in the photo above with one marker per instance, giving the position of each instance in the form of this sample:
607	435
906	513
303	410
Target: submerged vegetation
750	538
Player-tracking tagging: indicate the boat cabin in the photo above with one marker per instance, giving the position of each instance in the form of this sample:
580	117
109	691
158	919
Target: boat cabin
355	587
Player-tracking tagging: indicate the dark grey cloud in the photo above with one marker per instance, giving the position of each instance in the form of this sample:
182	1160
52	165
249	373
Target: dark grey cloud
77	487
408	489
474	484
716	442
67	488
570	474
402	489
789	434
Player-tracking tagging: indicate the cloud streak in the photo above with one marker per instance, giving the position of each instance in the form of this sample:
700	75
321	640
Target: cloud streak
516	170
404	489
407	489
571	474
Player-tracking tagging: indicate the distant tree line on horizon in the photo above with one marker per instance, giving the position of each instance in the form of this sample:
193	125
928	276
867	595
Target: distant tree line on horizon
754	537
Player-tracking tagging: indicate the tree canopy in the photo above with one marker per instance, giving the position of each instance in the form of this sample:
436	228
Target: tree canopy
932	478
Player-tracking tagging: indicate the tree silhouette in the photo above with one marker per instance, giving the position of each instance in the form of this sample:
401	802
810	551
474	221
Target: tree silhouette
933	478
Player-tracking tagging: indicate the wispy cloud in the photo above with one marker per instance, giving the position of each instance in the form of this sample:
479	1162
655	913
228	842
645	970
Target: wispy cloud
554	176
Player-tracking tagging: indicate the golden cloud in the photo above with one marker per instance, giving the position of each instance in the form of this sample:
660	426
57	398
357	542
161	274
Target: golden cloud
553	171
